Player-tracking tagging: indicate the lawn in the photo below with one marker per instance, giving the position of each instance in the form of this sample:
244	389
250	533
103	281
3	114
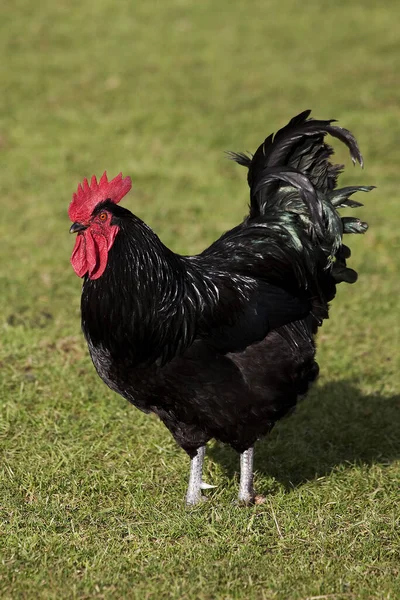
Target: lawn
91	502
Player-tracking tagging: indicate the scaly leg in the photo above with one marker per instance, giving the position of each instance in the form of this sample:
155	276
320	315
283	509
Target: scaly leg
246	491
196	484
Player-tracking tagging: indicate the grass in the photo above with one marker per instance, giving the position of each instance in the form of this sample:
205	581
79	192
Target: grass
92	490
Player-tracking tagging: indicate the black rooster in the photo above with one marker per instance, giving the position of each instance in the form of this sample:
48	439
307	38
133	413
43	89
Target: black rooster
219	345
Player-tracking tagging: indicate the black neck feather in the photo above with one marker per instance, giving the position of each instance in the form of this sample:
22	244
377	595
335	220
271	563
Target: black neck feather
150	302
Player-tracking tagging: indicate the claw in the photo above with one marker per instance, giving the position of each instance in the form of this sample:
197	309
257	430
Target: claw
206	486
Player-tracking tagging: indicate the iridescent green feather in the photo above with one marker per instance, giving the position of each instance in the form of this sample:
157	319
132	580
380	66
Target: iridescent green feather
293	183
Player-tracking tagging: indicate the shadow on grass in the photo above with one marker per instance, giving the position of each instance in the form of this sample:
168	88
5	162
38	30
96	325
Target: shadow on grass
336	425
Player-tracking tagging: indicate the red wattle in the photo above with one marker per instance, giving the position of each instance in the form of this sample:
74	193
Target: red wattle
90	252
78	258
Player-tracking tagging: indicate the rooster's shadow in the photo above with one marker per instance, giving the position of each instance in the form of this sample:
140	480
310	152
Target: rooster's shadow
335	426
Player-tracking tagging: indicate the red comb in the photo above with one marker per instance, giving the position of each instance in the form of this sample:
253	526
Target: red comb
87	197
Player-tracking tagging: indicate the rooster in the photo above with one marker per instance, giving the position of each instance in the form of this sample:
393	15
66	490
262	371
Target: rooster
221	344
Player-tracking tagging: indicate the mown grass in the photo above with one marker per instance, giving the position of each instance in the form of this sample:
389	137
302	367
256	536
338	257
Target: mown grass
92	490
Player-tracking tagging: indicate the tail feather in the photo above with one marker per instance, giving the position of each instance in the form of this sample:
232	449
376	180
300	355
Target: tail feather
353	225
293	165
301	184
276	149
299	148
290	173
340	198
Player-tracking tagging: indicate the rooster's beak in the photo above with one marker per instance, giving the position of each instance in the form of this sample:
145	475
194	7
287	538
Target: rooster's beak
75	227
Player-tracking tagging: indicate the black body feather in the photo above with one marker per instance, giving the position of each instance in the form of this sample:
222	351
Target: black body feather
220	345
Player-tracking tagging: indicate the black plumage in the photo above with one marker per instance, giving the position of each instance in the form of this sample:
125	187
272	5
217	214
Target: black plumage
221	345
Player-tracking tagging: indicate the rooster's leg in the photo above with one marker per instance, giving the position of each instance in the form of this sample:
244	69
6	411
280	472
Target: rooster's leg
246	491
196	484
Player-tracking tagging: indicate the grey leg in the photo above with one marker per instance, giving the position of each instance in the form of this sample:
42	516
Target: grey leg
193	495
246	492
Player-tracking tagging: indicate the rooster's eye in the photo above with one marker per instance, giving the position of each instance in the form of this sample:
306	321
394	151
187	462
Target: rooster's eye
103	216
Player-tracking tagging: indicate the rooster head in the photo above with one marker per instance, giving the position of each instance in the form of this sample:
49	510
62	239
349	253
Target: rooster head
93	222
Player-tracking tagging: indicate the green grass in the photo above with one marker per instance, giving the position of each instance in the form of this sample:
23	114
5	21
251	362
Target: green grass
92	490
